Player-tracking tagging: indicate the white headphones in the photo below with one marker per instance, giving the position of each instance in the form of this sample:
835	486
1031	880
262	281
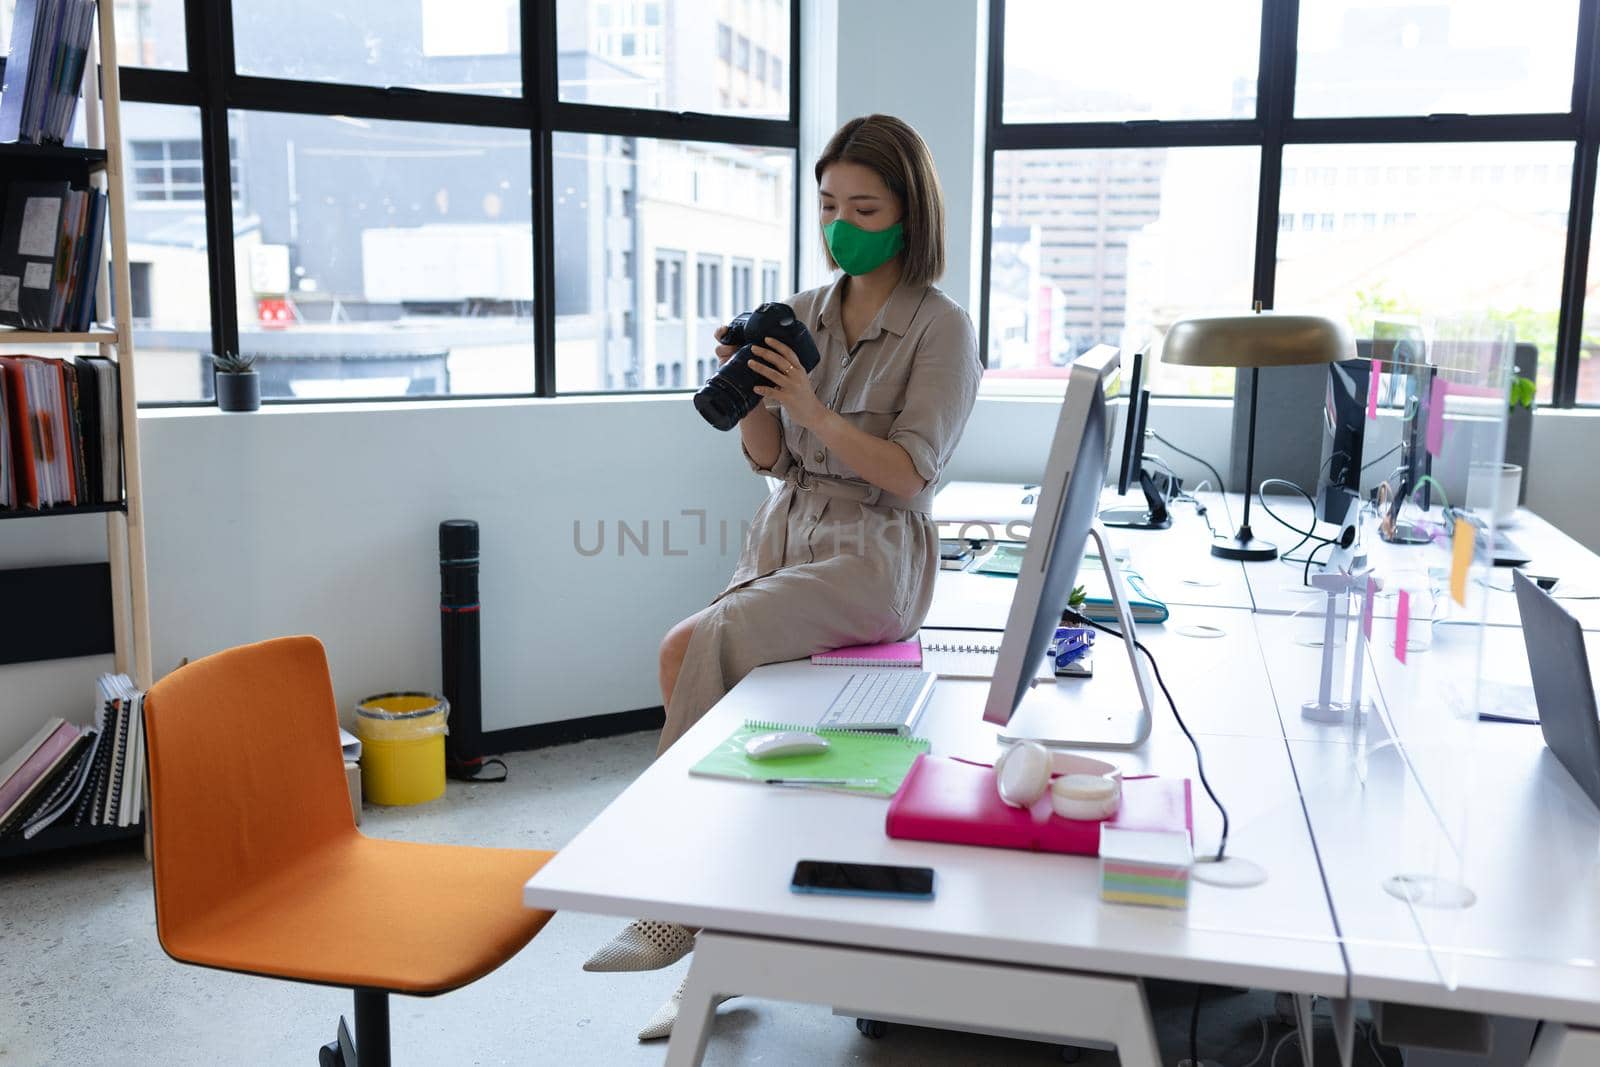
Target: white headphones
1086	789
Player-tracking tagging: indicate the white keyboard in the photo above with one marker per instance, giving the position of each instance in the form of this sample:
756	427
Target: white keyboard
890	701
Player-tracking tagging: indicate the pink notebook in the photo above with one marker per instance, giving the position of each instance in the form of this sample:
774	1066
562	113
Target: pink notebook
947	800
898	654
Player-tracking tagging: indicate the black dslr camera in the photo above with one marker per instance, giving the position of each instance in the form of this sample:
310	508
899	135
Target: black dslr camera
730	394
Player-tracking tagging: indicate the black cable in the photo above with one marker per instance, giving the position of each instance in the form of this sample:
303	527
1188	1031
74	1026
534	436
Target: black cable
1305	535
1380	459
1192	456
1199	763
1305	575
1194	1029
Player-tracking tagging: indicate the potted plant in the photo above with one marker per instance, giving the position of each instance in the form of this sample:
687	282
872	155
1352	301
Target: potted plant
238	384
1519	426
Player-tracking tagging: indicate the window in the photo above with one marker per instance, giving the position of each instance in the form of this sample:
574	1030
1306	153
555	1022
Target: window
387	246
170	171
1477	57
676	63
771	282
436	243
669	285
740	279
1062	282
708	287
748	191
1047	81
1450	187
463	46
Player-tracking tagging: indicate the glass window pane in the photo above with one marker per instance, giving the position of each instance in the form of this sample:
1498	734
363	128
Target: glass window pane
382	259
630	235
1202	65
687	55
1588	361
150	33
170	274
1109	247
464	46
1459	240
1476	57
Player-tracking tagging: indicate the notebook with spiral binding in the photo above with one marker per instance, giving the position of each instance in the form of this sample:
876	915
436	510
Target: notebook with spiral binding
850	754
892	654
967	654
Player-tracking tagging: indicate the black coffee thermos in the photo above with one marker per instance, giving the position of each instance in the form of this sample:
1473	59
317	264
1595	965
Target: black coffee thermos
458	643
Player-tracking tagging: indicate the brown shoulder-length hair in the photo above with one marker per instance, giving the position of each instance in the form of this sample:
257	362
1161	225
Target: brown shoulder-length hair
898	155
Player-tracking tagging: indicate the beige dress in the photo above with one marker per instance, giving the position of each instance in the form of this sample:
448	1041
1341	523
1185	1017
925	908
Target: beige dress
830	559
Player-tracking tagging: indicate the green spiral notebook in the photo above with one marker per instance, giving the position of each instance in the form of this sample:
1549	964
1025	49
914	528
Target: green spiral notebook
850	754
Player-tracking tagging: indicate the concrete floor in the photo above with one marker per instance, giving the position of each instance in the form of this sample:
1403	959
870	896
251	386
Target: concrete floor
83	980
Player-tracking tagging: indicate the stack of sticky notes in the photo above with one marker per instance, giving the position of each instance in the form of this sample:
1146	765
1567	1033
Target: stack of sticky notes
1145	867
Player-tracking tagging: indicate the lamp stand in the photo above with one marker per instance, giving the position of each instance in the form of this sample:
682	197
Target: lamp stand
1244	545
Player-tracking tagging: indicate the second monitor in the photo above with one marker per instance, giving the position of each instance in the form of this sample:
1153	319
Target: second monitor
1154	515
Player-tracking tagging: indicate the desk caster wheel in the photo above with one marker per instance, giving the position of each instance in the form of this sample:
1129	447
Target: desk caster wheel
1071	1053
873	1028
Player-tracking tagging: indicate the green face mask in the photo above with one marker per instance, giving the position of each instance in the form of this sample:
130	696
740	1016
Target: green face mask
859	251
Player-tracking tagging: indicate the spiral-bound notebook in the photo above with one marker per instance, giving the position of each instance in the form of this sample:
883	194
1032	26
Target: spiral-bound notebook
850	754
893	654
967	654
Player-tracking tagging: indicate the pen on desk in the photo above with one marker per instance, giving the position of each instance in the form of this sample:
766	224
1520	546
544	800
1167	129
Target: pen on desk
858	783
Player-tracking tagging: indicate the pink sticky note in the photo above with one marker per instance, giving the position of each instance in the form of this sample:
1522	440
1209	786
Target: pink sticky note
1366	609
1441	389
1372	390
1402	625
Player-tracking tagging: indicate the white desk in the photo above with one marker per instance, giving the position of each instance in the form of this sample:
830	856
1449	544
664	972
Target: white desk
1020	944
1176	563
718	855
1278	587
1510	822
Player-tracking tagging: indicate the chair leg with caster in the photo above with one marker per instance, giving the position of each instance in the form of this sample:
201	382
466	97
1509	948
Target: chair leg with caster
873	1028
340	1052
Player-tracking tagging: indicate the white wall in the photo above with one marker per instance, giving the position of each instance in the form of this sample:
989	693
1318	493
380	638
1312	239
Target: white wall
324	520
923	61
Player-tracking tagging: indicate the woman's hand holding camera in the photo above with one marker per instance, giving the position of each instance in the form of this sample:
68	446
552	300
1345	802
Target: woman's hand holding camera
790	384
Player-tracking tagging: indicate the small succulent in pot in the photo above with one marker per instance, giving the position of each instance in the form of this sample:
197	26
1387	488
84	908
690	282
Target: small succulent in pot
238	384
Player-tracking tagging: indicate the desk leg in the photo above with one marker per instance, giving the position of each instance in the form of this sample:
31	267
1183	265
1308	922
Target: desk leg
1044	1004
1565	1046
1303	1026
1344	1028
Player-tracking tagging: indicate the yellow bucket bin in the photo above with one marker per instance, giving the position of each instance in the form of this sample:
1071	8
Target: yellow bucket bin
402	747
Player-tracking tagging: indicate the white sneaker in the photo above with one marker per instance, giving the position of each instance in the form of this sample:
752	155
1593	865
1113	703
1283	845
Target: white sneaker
660	1024
643	945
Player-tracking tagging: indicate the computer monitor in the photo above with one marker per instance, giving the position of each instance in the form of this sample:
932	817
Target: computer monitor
1063	521
1344	425
1154	514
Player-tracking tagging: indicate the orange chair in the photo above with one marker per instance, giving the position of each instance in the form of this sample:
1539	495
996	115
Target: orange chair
259	867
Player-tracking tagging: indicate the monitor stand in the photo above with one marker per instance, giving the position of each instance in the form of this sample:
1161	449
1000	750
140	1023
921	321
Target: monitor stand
1153	516
1127	724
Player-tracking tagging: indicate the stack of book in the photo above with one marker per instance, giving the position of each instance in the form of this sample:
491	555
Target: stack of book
52	241
60	432
49	48
69	775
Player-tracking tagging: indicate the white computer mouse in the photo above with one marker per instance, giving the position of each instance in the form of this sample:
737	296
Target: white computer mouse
785	743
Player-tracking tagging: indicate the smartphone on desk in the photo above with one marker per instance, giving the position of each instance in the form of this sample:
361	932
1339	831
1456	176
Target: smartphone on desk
862	880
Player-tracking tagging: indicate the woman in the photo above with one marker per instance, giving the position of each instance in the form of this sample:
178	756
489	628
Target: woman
844	552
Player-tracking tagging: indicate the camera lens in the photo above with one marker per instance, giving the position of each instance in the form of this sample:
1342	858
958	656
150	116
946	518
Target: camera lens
717	407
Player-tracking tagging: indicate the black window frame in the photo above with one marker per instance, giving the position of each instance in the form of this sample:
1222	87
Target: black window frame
1275	126
212	84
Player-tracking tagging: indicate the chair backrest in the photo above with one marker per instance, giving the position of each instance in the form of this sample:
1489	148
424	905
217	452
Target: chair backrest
245	771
